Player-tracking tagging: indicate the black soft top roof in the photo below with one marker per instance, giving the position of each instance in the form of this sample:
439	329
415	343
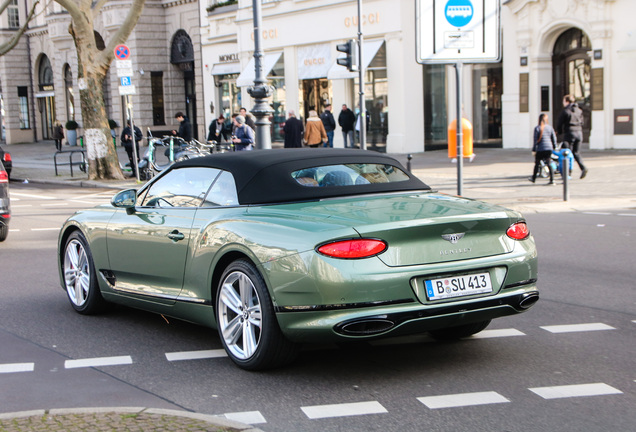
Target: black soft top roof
264	176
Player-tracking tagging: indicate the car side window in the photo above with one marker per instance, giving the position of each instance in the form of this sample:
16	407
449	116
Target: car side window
223	192
183	187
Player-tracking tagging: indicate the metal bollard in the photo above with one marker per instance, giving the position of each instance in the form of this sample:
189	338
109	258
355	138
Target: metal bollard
566	175
408	162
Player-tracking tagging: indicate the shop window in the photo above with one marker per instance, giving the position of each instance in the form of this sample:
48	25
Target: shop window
376	97
435	118
229	94
156	85
487	91
23	103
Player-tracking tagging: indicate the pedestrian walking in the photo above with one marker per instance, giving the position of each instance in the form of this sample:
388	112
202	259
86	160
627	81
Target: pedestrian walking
570	124
329	123
249	118
544	144
293	131
315	133
185	127
347	121
127	141
216	129
58	135
243	137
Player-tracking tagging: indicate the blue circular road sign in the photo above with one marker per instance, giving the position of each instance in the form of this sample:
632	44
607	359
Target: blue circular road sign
122	52
459	12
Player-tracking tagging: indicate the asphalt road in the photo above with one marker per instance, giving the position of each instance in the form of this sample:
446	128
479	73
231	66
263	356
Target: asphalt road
566	365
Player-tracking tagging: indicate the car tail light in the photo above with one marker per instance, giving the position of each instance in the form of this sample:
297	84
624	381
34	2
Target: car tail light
353	249
4	177
7	157
518	231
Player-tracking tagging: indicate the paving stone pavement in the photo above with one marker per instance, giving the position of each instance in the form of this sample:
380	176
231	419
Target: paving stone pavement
117	420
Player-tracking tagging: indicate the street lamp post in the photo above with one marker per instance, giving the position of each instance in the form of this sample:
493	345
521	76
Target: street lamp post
260	91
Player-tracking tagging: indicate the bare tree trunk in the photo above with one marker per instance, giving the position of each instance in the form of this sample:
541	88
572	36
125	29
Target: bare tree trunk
93	65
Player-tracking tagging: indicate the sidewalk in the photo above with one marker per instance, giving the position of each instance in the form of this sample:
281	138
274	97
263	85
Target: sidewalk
117	419
496	175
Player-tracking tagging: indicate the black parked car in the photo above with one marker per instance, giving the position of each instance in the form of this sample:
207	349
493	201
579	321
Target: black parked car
6	161
5	208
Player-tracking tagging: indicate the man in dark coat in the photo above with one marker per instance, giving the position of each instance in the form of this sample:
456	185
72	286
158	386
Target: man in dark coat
347	121
293	130
570	124
329	123
127	141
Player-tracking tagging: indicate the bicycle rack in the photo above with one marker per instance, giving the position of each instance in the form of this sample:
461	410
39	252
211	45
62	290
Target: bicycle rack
81	164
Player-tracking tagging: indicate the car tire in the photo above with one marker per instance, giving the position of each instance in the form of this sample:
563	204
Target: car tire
454	333
4	232
80	278
246	321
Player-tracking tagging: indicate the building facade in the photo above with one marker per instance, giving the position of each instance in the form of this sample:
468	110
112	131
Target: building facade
197	57
39	78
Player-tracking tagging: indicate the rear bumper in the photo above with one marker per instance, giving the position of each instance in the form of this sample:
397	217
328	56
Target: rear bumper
398	320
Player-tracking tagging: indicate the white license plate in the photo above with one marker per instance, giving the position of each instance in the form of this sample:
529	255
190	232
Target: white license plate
458	286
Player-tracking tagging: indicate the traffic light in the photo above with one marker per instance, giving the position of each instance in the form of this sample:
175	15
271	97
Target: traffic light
350	48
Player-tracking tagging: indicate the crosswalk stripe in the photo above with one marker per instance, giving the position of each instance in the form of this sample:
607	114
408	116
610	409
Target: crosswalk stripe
462	399
247	417
343	410
97	362
195	355
16	367
496	333
576	390
577	328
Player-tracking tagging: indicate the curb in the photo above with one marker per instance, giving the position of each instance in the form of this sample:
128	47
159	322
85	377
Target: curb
212	420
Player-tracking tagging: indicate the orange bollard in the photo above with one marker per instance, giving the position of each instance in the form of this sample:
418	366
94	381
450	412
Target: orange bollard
467	139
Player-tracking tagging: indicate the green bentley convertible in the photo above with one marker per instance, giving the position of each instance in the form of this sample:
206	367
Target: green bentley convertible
276	248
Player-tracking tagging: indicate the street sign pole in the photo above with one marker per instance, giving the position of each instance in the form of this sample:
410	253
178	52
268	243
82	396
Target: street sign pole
459	128
363	111
126	88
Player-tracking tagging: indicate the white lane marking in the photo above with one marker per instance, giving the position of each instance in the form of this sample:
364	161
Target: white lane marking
627	214
462	399
576	390
16	367
97	362
343	410
247	417
14	230
20	205
46	229
597	213
496	333
195	355
54	204
86	202
577	328
32	196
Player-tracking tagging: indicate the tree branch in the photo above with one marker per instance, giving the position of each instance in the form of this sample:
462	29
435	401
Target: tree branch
122	33
13	41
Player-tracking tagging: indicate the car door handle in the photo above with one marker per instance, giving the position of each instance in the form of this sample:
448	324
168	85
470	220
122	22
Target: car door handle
176	235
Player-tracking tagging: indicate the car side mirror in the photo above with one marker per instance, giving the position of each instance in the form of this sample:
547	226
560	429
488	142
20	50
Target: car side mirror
125	199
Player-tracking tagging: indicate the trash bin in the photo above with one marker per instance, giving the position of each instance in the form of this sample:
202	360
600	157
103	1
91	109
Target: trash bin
467	139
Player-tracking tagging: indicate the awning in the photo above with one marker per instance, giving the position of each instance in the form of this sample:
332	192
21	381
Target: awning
629	47
314	61
226	68
370	50
246	78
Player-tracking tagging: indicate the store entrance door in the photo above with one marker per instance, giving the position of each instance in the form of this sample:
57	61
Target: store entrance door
571	67
315	94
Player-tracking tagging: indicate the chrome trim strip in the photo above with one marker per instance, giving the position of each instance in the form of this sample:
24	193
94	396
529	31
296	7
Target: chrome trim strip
322	308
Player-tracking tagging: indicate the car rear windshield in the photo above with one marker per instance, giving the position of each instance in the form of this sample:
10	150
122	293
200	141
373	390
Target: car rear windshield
349	175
